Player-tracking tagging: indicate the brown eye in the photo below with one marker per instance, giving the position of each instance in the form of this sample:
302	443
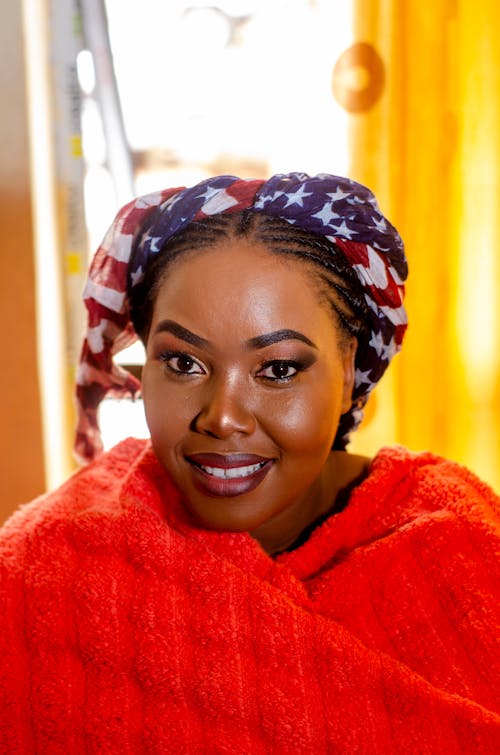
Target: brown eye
182	364
280	370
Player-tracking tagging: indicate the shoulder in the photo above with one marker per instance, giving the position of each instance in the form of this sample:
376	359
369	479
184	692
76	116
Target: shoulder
410	566
95	488
416	496
406	497
102	528
431	507
428	482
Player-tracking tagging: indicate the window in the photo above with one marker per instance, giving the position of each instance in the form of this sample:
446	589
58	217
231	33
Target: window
204	89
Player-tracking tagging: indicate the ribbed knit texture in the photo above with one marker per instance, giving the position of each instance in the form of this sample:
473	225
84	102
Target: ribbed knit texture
126	629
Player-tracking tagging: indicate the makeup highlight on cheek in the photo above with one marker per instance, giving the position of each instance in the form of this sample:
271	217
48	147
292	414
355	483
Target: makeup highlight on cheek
307	415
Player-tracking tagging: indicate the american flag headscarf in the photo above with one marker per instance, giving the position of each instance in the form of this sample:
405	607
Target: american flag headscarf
337	208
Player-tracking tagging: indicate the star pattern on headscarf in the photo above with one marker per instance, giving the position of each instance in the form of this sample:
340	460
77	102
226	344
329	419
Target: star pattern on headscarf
380	224
326	214
136	276
337	195
154	243
297	197
265	199
383	350
362	377
208	193
343	230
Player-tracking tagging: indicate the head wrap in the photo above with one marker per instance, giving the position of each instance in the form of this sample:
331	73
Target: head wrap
340	209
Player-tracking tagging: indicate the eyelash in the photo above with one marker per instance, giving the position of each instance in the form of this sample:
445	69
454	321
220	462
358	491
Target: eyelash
166	356
285	364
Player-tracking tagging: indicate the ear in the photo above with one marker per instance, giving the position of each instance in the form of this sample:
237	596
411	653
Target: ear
348	358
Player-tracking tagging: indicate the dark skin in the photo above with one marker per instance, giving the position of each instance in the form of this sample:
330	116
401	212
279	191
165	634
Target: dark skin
246	376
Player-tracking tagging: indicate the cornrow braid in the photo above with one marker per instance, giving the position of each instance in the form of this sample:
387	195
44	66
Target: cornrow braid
349	302
280	237
197	235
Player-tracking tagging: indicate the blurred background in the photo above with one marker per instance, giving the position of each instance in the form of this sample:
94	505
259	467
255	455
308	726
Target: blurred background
102	100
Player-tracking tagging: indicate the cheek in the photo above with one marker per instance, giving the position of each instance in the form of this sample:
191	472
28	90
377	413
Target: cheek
305	424
302	422
167	414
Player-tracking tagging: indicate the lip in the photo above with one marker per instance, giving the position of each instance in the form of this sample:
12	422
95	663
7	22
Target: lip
226	461
226	487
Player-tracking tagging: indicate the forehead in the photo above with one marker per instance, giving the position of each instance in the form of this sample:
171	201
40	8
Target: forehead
242	281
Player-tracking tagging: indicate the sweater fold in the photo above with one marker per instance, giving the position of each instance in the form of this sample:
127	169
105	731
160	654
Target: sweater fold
128	629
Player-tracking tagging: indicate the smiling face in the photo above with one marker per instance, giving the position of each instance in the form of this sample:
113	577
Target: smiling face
246	376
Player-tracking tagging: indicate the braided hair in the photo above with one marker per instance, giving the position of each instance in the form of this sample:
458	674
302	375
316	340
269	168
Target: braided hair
279	237
321	256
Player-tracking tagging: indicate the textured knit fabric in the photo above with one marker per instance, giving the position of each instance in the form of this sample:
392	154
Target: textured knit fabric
126	629
342	210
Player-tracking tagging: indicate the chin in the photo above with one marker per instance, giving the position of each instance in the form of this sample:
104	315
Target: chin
225	516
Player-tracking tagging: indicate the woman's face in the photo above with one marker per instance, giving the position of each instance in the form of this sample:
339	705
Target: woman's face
245	379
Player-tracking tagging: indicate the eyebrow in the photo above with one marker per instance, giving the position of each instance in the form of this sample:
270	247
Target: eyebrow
257	342
170	326
260	342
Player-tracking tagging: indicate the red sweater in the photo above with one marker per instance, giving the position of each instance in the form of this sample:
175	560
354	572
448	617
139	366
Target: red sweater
126	629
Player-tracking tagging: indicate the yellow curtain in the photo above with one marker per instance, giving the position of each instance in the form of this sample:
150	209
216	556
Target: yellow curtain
422	86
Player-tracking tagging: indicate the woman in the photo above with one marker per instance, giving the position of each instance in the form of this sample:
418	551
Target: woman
242	583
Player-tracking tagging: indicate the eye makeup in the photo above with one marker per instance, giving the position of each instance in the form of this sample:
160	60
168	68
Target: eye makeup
181	363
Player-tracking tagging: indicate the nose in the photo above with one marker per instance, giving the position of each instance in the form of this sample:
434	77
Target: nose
225	410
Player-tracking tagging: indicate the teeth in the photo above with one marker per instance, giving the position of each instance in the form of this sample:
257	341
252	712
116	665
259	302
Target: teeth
229	474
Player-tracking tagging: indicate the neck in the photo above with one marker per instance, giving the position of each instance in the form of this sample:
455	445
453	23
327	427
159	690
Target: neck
293	525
